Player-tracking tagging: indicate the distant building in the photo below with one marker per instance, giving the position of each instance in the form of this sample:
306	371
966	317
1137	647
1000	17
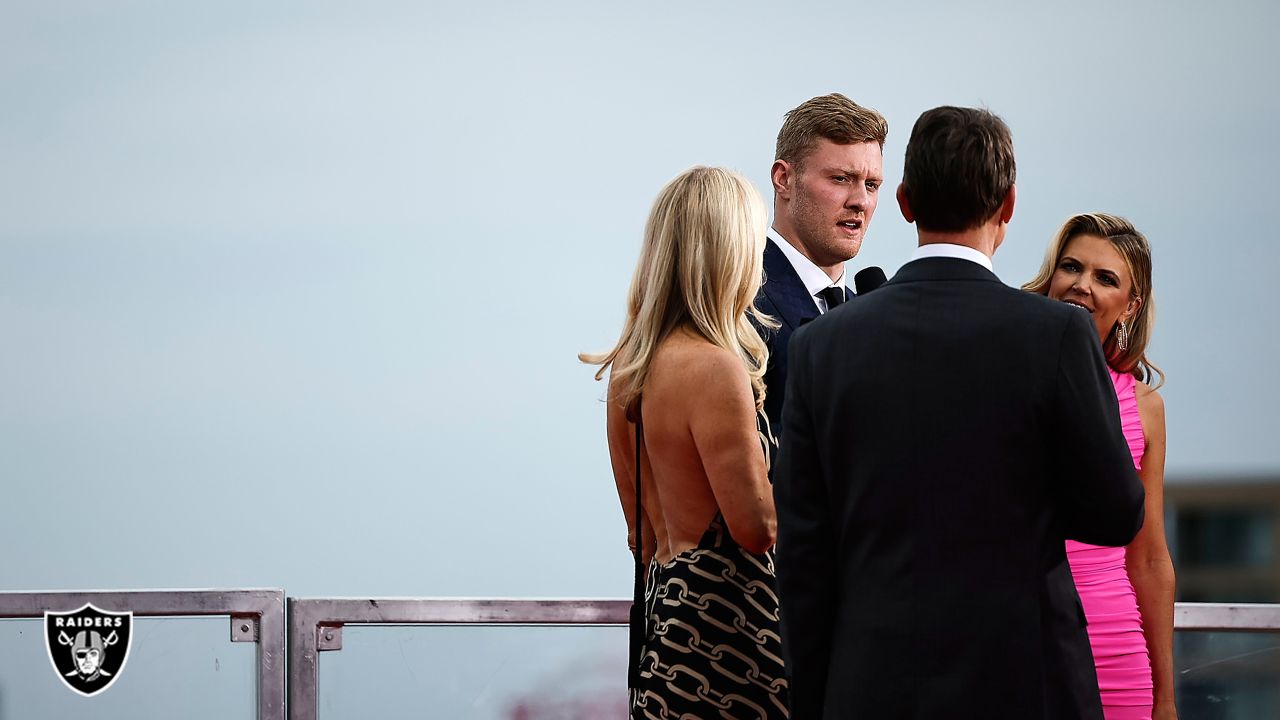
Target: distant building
1224	534
590	685
602	706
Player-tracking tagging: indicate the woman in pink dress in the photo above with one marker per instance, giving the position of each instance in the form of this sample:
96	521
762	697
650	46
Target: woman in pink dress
1102	264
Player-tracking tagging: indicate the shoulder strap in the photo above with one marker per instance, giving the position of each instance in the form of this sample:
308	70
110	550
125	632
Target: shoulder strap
639	513
639	618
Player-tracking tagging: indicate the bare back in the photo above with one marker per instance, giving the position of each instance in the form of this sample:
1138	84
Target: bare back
701	451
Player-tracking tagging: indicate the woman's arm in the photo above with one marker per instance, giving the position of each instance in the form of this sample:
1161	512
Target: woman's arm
1147	558
723	425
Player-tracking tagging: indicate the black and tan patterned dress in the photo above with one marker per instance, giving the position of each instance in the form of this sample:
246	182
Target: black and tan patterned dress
711	649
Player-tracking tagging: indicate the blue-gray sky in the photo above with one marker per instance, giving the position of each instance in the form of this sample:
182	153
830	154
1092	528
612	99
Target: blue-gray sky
290	293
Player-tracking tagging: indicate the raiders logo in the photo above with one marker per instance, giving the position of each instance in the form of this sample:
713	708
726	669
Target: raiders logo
88	647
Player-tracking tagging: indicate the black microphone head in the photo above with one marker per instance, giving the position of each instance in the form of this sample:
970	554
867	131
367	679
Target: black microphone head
868	279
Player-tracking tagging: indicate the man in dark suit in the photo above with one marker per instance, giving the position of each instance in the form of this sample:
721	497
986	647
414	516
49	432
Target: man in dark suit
826	179
943	436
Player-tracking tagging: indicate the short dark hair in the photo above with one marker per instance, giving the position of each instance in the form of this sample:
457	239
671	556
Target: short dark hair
959	168
832	117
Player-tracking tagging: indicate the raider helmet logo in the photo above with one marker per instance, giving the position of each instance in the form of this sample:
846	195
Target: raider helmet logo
88	647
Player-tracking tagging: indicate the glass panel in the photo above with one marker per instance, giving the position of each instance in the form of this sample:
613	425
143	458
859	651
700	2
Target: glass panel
475	672
176	668
1227	676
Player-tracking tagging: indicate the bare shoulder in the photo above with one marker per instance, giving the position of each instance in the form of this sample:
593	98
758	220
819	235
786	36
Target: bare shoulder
698	367
691	355
1151	410
1149	400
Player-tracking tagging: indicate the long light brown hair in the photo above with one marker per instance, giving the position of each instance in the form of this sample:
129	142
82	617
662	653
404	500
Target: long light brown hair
700	266
1136	251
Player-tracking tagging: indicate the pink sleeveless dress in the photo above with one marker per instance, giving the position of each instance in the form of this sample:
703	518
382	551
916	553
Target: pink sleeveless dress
1110	604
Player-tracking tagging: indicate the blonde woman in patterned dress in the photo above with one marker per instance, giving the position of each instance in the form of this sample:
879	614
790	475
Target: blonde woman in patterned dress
709	645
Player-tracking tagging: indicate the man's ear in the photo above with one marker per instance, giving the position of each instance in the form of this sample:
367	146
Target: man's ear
782	175
1006	208
904	205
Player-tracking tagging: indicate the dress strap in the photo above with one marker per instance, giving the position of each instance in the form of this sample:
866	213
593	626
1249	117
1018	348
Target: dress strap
639	619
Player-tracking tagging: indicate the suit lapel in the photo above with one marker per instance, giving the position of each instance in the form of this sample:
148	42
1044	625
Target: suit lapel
784	289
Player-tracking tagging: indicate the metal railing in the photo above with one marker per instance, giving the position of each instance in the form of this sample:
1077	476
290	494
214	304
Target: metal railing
314	625
256	616
1226	616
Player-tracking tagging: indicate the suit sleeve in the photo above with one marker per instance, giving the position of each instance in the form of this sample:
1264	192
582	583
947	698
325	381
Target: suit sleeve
806	545
1099	493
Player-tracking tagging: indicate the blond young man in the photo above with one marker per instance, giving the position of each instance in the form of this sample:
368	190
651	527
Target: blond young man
826	178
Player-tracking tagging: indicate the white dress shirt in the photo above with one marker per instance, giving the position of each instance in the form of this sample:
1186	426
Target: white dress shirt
962	252
815	279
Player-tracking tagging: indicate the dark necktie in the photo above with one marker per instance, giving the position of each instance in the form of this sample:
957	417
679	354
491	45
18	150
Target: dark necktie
832	295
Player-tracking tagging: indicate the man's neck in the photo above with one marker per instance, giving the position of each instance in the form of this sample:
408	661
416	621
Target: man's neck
835	272
984	239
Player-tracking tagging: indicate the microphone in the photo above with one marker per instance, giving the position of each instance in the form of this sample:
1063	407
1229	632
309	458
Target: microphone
868	279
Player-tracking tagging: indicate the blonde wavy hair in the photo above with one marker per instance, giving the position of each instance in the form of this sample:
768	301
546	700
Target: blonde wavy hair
700	266
1136	251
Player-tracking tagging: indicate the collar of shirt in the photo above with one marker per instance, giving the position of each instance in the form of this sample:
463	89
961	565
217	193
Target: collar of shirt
814	278
961	252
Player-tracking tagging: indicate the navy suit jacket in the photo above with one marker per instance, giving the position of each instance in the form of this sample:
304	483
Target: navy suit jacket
784	297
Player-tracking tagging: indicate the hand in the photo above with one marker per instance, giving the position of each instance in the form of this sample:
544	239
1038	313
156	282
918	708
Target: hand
1166	711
